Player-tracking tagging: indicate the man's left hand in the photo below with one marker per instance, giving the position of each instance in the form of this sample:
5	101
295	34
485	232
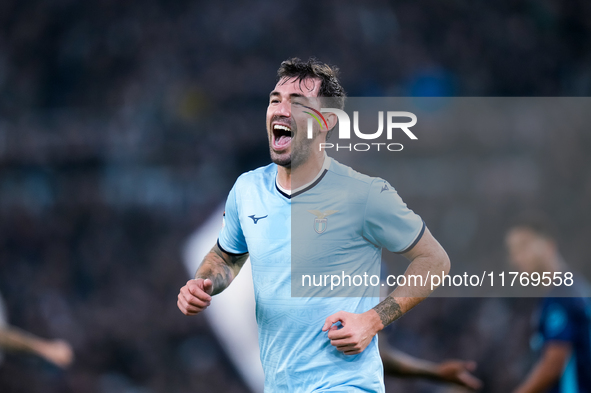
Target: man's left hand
357	332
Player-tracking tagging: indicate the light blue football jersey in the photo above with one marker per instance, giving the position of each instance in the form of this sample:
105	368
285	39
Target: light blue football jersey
340	222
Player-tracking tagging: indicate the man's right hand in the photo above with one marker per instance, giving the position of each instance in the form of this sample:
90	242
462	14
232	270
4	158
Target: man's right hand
195	296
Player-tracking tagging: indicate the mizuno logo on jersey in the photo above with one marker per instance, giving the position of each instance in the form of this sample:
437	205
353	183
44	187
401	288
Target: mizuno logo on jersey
256	219
321	222
384	187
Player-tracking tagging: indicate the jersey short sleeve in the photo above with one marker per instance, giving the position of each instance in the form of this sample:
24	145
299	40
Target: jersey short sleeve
231	239
557	323
388	222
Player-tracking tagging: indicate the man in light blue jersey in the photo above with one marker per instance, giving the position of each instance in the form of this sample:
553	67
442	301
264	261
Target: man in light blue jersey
306	213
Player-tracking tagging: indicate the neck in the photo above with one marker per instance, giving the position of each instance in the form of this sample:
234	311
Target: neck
292	178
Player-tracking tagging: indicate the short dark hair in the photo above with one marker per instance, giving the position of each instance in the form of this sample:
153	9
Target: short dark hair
536	222
313	68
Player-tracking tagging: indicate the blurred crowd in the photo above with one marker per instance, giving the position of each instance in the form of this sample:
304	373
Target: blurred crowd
123	124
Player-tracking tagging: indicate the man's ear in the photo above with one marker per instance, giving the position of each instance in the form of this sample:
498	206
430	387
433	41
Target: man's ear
331	120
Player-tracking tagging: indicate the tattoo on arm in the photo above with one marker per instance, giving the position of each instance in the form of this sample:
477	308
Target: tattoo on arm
221	268
388	310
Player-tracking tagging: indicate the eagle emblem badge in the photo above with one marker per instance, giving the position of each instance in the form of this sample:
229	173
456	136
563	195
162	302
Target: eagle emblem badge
321	222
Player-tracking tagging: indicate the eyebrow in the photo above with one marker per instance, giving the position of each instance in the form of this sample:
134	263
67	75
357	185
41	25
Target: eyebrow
292	95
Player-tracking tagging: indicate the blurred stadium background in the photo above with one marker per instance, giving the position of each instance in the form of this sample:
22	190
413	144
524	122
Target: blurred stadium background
124	124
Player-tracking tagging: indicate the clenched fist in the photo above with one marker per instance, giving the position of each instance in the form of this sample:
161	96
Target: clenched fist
356	333
195	296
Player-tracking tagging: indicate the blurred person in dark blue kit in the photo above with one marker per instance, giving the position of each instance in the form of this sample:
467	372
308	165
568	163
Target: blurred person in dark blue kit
563	320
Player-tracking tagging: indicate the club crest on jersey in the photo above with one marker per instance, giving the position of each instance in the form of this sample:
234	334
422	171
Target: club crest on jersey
321	222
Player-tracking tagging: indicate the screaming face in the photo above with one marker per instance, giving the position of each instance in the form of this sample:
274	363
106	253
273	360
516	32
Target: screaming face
290	147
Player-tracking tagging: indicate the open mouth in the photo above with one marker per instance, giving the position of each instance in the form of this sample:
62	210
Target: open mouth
282	135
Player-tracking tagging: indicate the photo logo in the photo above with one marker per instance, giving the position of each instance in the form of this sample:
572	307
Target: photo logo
315	116
345	128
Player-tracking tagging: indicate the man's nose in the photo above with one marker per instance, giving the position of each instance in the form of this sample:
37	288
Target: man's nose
284	109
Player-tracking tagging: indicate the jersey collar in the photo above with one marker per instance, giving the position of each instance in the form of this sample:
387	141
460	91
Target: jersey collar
300	190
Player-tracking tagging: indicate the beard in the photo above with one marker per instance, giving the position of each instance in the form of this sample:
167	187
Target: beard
281	160
297	156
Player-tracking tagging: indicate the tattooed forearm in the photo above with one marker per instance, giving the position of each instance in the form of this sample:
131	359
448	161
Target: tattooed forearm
388	310
234	261
220	268
219	273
